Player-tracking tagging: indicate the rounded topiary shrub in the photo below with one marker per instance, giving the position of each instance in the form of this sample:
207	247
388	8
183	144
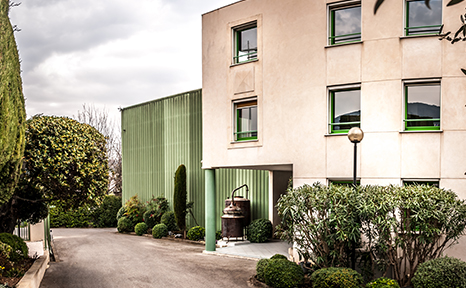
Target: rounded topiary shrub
383	283
279	256
336	277
168	218
150	219
159	231
196	233
281	273
259	230
440	272
260	269
140	228
18	246
124	225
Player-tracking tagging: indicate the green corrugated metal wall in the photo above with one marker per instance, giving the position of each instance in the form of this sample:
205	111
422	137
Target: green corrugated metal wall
160	135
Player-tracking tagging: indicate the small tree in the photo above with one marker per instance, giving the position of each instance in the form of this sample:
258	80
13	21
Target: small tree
12	112
179	197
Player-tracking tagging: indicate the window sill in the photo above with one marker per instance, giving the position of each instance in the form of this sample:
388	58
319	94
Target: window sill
344	44
245	62
336	134
421	131
419	36
244	141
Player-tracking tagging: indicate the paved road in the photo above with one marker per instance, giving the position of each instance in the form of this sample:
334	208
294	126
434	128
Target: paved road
104	258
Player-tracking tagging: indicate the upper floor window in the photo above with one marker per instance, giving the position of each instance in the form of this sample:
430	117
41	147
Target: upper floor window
345	23
245	43
423	20
422	106
345	109
246	120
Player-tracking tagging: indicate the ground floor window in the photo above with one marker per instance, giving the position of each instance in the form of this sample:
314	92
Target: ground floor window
345	109
422	106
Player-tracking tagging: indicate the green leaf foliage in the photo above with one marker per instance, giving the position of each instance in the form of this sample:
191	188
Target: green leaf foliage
281	273
140	229
440	273
159	231
65	160
12	112
383	283
105	214
259	231
180	196
336	277
260	269
168	218
134	210
155	208
196	233
19	247
124	225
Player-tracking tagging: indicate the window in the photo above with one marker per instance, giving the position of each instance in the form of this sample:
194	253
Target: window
246	120
423	20
422	106
345	111
345	23
245	43
348	183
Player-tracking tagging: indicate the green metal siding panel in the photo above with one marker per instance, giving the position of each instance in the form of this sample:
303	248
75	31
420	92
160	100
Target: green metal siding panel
160	135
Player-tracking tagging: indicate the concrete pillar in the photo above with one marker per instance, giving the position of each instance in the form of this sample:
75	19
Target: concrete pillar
210	211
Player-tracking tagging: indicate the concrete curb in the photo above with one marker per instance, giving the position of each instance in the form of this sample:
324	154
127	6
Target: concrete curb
34	275
231	255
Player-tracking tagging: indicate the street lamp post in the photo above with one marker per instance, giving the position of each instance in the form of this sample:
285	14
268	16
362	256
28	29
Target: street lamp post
355	135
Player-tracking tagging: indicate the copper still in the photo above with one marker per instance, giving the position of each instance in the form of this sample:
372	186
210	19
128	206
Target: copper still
233	218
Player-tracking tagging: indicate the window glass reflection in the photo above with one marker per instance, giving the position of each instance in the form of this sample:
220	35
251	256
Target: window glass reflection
346	23
421	19
423	102
346	108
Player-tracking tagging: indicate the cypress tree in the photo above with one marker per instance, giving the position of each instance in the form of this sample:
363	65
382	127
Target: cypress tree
179	197
12	112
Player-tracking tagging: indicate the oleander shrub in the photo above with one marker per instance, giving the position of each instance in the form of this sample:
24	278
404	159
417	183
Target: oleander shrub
18	246
260	269
196	233
440	272
279	256
259	231
159	231
383	283
140	229
281	273
336	277
124	225
168	218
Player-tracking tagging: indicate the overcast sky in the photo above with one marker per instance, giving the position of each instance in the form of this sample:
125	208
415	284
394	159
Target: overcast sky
110	53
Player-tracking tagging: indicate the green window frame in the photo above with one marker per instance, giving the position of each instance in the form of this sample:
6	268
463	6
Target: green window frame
422	106
245	43
344	26
342	100
421	20
246	121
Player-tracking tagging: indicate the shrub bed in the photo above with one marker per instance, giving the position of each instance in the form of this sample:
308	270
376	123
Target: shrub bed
159	231
383	283
124	225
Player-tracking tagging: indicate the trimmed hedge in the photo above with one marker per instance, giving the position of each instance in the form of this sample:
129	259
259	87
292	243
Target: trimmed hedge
259	231
196	233
260	269
281	273
140	229
168	218
336	278
124	225
440	272
159	231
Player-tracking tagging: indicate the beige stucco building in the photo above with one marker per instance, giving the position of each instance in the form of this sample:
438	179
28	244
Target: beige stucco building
284	80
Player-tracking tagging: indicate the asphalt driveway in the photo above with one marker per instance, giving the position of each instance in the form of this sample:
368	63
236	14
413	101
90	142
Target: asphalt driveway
106	258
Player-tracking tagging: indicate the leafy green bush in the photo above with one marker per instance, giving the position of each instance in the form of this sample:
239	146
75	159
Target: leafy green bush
121	212
218	235
322	219
70	218
196	233
279	256
336	277
441	272
159	231
19	247
260	269
168	218
134	210
281	273
105	214
140	228
415	223
259	231
383	283
154	210
124	225
5	250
